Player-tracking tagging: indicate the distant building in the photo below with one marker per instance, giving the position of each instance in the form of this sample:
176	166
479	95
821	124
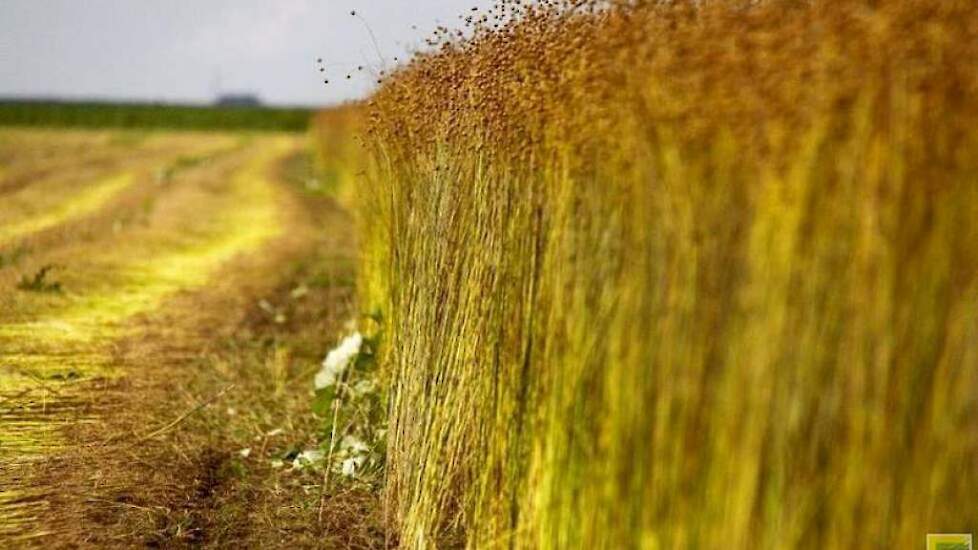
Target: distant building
238	100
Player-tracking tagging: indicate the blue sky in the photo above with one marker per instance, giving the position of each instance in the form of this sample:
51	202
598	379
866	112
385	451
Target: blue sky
191	50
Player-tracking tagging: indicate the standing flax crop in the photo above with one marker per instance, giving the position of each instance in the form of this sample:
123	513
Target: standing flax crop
680	275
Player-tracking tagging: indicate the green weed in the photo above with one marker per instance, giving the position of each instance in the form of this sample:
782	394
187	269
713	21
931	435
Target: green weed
39	282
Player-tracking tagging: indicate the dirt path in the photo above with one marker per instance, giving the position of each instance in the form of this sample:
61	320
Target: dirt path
117	303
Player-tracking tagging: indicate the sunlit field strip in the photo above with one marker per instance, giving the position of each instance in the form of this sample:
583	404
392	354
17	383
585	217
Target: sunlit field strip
80	189
70	159
50	355
85	202
66	337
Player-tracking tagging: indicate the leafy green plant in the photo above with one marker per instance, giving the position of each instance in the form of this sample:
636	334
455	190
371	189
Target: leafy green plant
349	401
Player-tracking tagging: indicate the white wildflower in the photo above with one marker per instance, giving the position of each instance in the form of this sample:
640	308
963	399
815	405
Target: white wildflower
307	458
299	292
356	453
245	452
353	445
338	360
349	467
352	464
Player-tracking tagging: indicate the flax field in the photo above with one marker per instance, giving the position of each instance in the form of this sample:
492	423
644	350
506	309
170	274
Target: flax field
677	275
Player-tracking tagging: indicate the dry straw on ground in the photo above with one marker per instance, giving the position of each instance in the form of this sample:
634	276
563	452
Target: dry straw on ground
681	275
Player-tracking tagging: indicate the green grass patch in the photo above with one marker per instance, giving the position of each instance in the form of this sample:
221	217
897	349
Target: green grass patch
173	117
40	281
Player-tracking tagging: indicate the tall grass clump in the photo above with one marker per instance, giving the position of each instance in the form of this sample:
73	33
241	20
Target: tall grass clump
680	275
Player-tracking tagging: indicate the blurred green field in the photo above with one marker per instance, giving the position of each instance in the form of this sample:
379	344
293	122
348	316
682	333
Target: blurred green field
172	117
